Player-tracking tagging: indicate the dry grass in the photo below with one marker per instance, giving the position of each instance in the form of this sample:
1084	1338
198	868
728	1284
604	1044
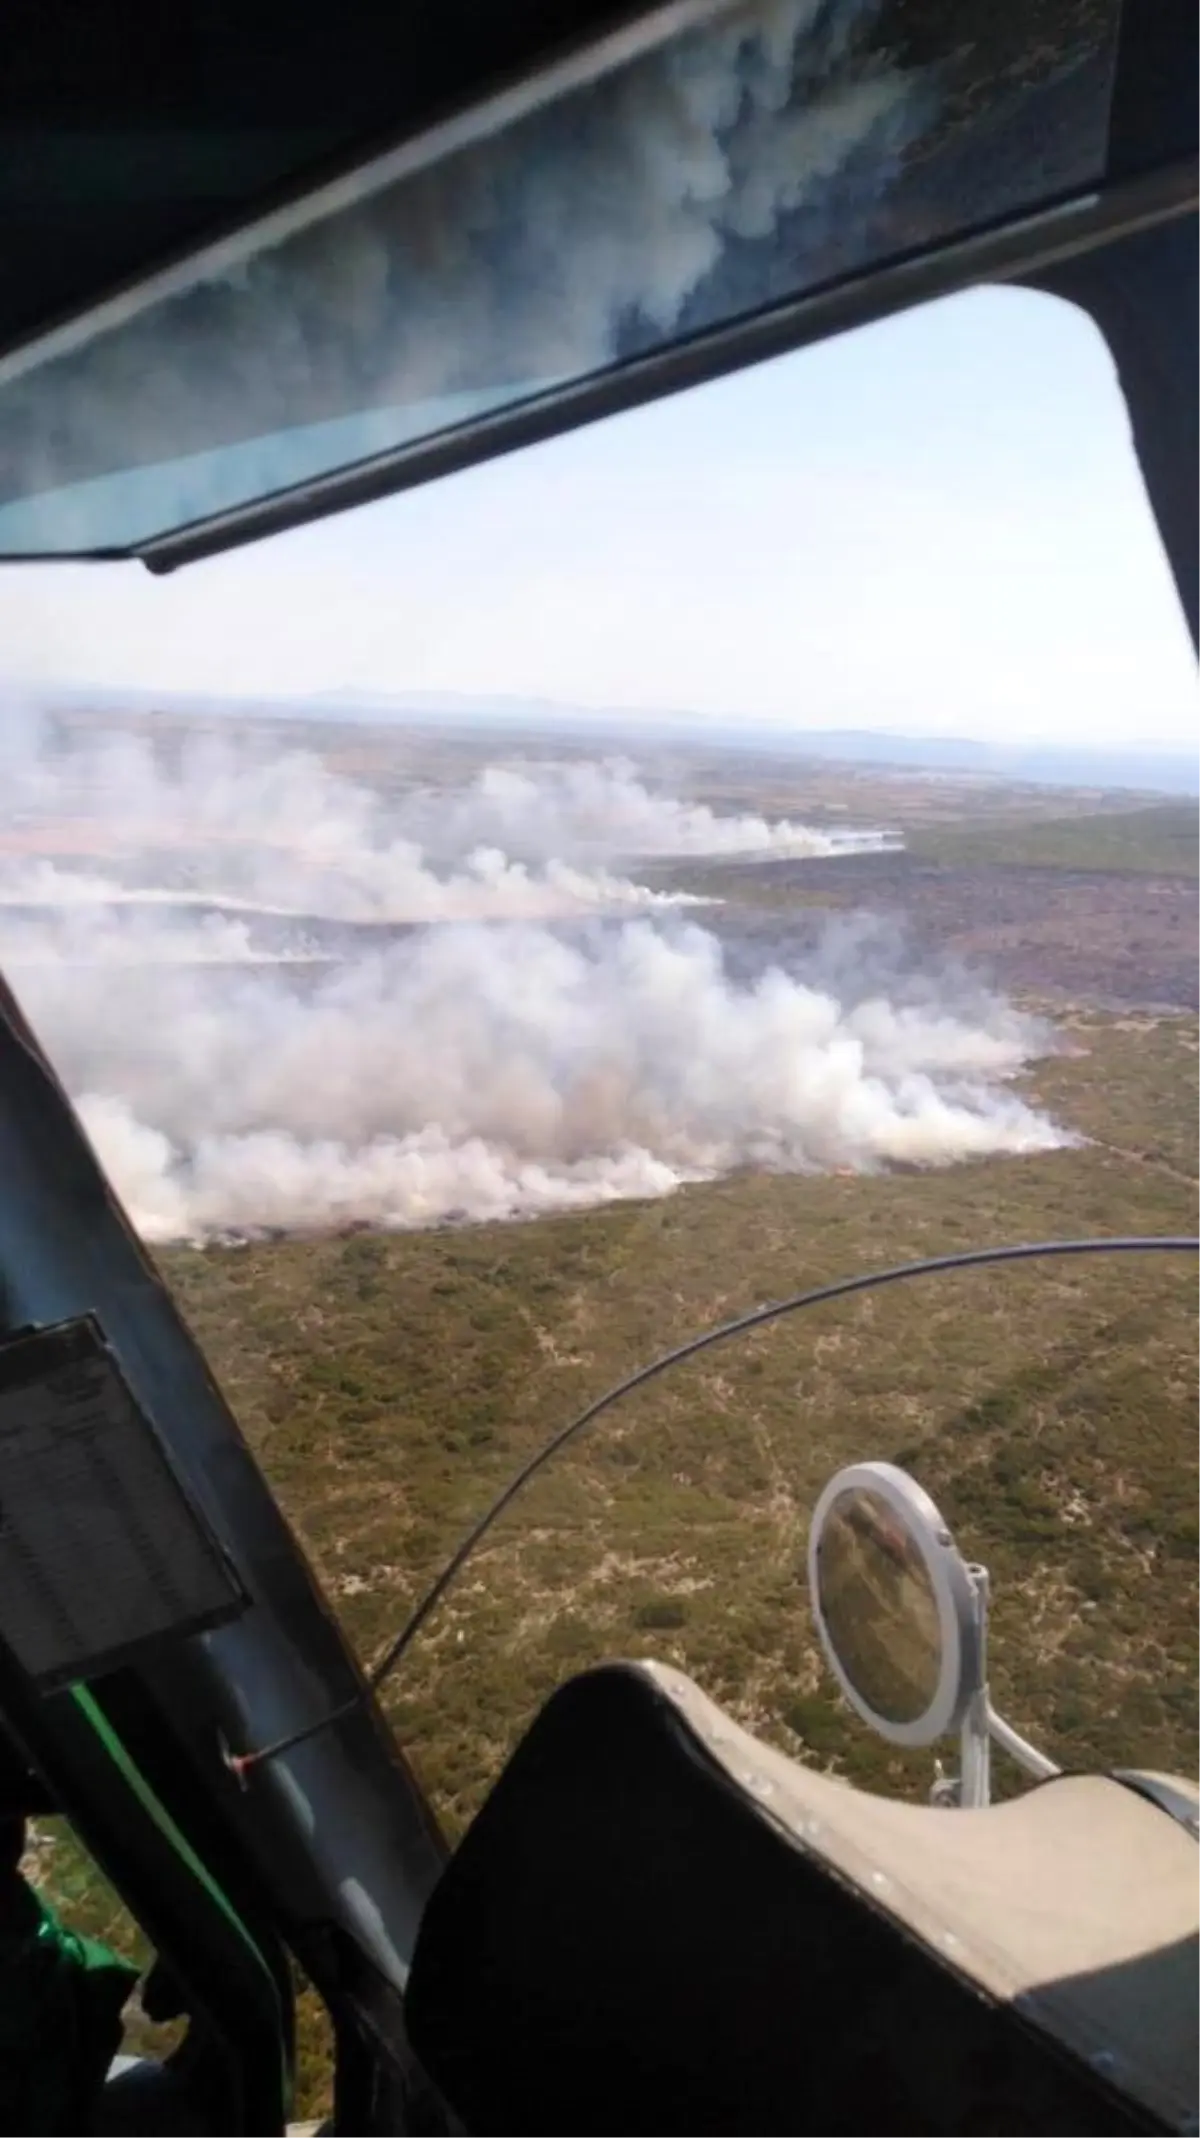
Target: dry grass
390	1385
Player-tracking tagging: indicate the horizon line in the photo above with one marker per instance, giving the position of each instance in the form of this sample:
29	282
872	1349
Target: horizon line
484	704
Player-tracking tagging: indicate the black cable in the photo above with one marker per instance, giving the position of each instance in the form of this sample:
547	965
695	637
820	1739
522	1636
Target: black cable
242	1763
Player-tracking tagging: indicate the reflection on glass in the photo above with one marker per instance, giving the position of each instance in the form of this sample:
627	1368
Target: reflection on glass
772	149
879	1607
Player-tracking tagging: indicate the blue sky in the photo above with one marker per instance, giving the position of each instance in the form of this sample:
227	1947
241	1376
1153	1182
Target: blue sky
935	525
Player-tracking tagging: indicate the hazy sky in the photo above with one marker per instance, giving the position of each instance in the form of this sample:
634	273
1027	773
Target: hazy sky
934	525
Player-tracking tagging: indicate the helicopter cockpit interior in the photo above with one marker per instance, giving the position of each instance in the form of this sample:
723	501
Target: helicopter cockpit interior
717	1934
266	265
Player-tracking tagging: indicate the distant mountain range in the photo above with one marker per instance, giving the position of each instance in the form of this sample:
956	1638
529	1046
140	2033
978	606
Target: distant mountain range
1144	768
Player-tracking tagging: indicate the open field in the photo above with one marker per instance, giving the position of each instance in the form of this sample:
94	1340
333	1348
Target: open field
390	1383
1096	907
1158	840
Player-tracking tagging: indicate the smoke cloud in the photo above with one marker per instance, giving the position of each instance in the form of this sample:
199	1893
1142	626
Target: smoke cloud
275	1006
605	811
252	829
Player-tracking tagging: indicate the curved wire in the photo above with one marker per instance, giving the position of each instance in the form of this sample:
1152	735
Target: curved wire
241	1763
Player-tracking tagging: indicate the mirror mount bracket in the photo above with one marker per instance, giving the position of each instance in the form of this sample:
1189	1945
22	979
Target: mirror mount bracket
975	1738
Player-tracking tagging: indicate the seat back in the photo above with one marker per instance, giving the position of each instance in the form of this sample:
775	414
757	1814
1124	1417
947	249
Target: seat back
657	1925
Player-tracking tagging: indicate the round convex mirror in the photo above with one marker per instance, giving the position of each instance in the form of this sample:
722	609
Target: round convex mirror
894	1604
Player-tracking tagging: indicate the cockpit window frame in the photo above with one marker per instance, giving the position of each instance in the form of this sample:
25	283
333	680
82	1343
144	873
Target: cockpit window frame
1014	248
1135	193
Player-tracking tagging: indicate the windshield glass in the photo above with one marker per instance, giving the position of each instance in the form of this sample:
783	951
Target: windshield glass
493	936
762	155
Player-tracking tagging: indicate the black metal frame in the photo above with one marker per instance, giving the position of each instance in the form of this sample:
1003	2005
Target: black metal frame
1150	178
1017	247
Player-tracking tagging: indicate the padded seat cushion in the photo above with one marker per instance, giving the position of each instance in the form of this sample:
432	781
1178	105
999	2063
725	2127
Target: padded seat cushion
655	1926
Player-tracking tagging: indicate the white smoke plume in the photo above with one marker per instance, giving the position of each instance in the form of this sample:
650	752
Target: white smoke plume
259	830
605	811
479	1075
413	1073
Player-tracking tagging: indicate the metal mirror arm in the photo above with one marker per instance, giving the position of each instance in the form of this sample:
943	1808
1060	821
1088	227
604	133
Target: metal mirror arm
1019	1748
982	1728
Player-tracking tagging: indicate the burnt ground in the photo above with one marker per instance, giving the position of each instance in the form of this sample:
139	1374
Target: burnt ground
1112	938
1107	938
